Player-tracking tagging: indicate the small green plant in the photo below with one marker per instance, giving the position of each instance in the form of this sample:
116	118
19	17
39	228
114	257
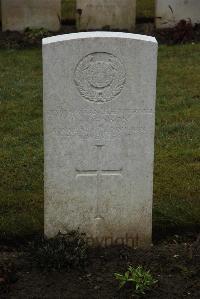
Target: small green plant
39	33
138	278
64	251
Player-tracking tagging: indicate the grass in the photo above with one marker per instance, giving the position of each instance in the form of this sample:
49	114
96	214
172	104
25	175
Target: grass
177	155
21	152
145	8
68	10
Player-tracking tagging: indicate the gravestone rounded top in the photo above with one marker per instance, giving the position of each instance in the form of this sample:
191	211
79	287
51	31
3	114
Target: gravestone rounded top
96	35
100	77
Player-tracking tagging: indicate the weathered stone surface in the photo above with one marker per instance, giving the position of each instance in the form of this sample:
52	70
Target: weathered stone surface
17	15
109	14
99	102
170	12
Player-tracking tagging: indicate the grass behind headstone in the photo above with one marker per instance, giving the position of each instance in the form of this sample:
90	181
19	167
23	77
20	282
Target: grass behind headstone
177	159
21	151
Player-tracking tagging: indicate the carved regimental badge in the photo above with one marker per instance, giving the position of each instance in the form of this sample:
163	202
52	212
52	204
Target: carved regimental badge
100	77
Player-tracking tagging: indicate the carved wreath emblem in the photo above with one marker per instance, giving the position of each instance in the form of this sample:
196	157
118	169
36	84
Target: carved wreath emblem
100	77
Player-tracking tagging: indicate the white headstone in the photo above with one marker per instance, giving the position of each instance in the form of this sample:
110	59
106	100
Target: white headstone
99	110
106	14
170	12
17	15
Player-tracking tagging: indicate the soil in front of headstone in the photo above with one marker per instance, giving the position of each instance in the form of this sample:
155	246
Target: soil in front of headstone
175	263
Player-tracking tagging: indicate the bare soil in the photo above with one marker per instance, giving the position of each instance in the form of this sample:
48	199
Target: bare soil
175	263
184	32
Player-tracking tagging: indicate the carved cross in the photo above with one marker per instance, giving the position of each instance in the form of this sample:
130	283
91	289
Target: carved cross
98	173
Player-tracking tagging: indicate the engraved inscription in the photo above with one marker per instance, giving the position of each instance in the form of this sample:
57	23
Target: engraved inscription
110	123
100	77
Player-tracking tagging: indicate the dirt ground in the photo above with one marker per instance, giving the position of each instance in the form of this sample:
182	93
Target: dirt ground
175	263
183	32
